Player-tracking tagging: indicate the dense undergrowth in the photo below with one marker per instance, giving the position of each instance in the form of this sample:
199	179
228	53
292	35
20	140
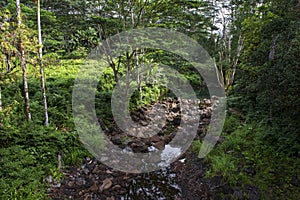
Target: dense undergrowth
246	157
29	150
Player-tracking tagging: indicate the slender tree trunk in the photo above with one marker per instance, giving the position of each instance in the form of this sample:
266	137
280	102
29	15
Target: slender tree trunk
23	63
139	74
235	62
41	65
0	100
8	67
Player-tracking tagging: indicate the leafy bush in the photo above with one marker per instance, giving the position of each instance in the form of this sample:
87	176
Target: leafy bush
231	124
246	158
51	59
21	174
80	52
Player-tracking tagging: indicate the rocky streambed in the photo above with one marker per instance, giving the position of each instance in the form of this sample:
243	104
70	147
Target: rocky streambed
183	179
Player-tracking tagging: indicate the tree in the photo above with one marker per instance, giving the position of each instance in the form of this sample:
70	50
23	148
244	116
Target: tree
21	52
228	41
41	63
268	80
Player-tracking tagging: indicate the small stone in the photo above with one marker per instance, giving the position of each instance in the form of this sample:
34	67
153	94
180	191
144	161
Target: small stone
116	140
86	196
116	187
49	179
96	170
143	123
94	187
86	171
139	147
56	184
107	183
80	181
140	134
71	184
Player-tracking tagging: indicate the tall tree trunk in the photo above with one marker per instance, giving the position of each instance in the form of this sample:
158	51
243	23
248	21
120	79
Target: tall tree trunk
0	100
23	62
41	64
235	62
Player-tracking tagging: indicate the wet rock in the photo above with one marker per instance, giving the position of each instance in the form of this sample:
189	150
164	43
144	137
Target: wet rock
152	149
177	121
159	145
147	141
139	147
127	149
155	159
155	138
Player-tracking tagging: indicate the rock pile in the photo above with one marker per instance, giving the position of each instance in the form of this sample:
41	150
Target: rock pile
153	130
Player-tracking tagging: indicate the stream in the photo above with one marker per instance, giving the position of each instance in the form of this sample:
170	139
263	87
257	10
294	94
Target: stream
158	185
180	180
